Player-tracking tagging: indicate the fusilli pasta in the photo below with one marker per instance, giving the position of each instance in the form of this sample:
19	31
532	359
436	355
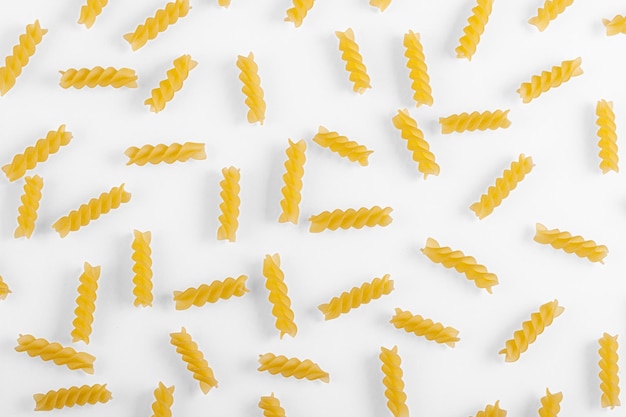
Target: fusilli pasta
292	367
357	296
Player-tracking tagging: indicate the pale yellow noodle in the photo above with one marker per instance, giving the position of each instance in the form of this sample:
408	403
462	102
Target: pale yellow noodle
550	10
350	218
475	121
69	397
90	11
211	293
492	411
420	326
342	146
252	90
609	378
173	82
271	407
292	367
292	178
278	297
55	352
298	12
475	27
550	404
142	269
85	303
415	142
14	63
156	154
98	77
161	20
229	207
394	385
163	401
194	359
356	297
607	136
615	25
4	289
571	244
354	61
381	4
416	62
539	84
30	204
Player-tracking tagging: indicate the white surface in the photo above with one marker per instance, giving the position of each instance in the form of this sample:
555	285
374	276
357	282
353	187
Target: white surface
306	86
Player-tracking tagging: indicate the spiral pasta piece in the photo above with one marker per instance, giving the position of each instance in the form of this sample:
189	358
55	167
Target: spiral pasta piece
278	297
530	330
85	303
475	27
298	12
271	406
558	75
90	11
4	289
173	82
392	380
475	121
354	61
420	326
550	10
416	63
156	154
163	401
492	411
350	218
550	404
608	136
466	265
194	358
609	379
14	63
56	353
357	296
142	269
98	77
161	20
615	26
30	204
381	4
342	146
249	76
229	207
32	155
502	188
69	397
416	143
292	178
571	244
216	290
292	367
223	3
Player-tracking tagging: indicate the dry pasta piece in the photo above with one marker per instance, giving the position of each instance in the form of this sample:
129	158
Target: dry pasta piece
357	296
394	385
156	154
216	290
90	11
292	367
350	218
342	146
492	411
298	12
475	27
4	289
292	178
69	397
550	404
271	406
142	269
571	244
229	207
420	326
615	25
463	264
173	82
163	401
503	186
416	143
85	303
530	330
381	4
56	353
539	84
249	76
550	10
278	297
223	3
416	62
463	122
194	359
14	63
354	61
161	20
608	136
30	204
609	379
98	77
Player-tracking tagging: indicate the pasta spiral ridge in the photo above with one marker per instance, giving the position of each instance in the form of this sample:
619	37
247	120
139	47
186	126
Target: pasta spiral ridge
530	330
354	61
394	386
56	353
90	11
298	12
211	293
357	296
163	400
615	25
570	244
416	143
69	397
14	63
98	76
172	83
416	62
142	269
381	4
609	378
292	367
475	27
550	10
475	121
550	404
161	20
85	303
420	326
30	204
156	154
229	207
492	411
278	297
350	218
342	146
608	136
249	76
292	178
4	289
271	406
194	359
539	84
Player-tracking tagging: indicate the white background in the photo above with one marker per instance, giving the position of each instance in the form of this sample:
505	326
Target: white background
306	86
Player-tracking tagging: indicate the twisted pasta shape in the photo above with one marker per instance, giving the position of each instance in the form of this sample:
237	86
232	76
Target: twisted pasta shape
530	330
229	207
211	293
503	186
142	268
571	244
550	10
294	367
90	11
194	358
350	218
298	12
4	289
416	63
249	76
342	146
463	264
85	303
223	3
539	84
475	27
615	25
608	136
14	63
69	397
32	155
394	386
292	178
163	400
171	84
475	121
271	407
608	371
357	296
492	411
161	20
30	204
56	353
156	154
416	143
278	297
381	4
550	404
96	207
436	332
98	76
354	61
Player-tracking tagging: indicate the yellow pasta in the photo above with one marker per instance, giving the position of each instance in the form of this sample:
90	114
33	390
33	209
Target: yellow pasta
475	121
416	62
142	268
161	20
98	77
550	10
381	4
357	296
420	326
194	359
172	83
229	207
394	386
354	61
571	244
503	186
163	400
292	178
350	218
615	25
292	367
492	411
96	207
463	264
85	303
608	136
271	407
216	290
156	154
249	76
298	12
539	84
609	379
69	397
278	297
4	289
550	404
530	330
342	146
14	63
416	143
90	11
223	3
475	27
30	204
56	353
32	155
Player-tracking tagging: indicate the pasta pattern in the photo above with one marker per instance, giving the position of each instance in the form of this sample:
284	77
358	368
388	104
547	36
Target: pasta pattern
392	380
229	207
463	264
298	12
69	397
172	83
357	296
278	297
217	290
354	61
90	11
32	155
420	326
539	84
98	77
292	178
475	121
350	218
416	143
381	4
249	76
608	136
85	303
550	404
156	154
530	330
271	406
570	244
615	26
30	204
56	353
161	20
492	411
292	367
4	289
550	10
475	27
14	63
142	268
609	379
342	146
416	62
163	401
194	359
